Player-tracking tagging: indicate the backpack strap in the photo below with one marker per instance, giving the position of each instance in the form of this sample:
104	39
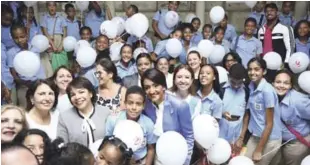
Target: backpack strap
236	44
80	24
222	90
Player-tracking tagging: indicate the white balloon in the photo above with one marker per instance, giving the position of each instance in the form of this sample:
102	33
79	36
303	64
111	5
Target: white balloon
30	3
130	133
120	22
115	50
306	160
26	63
171	19
206	130
171	148
86	56
219	152
298	62
304	81
69	43
217	14
217	54
109	29
128	26
95	146
250	4
273	60
206	47
81	43
139	51
82	5
40	42
241	160
139	25
223	74
174	47
189	17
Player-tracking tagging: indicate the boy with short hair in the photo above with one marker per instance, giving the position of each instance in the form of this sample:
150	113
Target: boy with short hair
286	16
73	25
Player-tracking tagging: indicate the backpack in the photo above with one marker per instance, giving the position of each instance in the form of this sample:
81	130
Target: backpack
246	89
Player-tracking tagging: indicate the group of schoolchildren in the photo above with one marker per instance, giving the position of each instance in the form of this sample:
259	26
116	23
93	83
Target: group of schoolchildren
61	111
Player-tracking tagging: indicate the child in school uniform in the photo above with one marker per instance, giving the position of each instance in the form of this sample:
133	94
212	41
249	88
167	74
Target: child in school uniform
219	39
259	15
6	23
286	16
230	30
95	16
20	37
197	35
302	35
134	101
26	17
207	32
73	25
148	42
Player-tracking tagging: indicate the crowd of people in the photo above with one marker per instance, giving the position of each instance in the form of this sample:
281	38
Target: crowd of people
55	116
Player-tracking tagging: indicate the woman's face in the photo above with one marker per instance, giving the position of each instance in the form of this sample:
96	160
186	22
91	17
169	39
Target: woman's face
187	34
230	61
109	155
163	65
11	124
282	84
36	144
194	61
207	32
80	98
63	78
143	64
206	75
44	98
134	105
103	76
183	79
177	34
126	54
154	92
219	36
102	43
303	30
86	35
196	25
255	72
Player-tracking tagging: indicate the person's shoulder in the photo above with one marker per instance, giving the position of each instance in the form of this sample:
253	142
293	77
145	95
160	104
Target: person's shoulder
146	120
13	50
230	26
102	110
175	101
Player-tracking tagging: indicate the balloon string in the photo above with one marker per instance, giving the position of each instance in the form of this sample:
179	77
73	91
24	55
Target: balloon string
278	147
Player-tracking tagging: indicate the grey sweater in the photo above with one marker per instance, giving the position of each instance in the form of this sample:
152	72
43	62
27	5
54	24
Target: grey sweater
70	125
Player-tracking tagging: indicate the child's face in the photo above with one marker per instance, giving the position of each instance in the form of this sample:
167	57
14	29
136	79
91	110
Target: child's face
51	6
303	30
219	36
20	37
134	105
255	72
30	13
126	54
206	75
187	34
6	19
207	32
129	12
259	7
177	35
71	12
249	27
102	43
287	7
223	23
86	35
196	25
173	6
109	155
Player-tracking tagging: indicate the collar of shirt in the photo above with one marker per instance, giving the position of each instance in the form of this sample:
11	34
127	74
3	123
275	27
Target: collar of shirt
286	99
25	22
48	15
30	48
88	116
300	43
74	20
260	87
139	80
120	64
243	38
228	85
287	15
209	97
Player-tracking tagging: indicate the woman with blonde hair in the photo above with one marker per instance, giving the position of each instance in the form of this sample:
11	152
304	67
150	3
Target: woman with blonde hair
13	120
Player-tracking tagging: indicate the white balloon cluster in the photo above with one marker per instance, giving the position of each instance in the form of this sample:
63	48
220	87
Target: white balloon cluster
27	63
273	60
115	49
40	42
171	19
174	47
217	14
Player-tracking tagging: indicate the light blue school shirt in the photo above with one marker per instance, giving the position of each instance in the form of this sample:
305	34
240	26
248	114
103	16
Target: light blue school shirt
160	49
13	52
94	21
123	71
247	48
48	22
160	18
301	47
183	55
234	103
225	44
196	38
230	32
73	28
211	104
148	42
287	19
264	96
90	75
257	16
34	30
295	111
6	76
6	37
145	123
